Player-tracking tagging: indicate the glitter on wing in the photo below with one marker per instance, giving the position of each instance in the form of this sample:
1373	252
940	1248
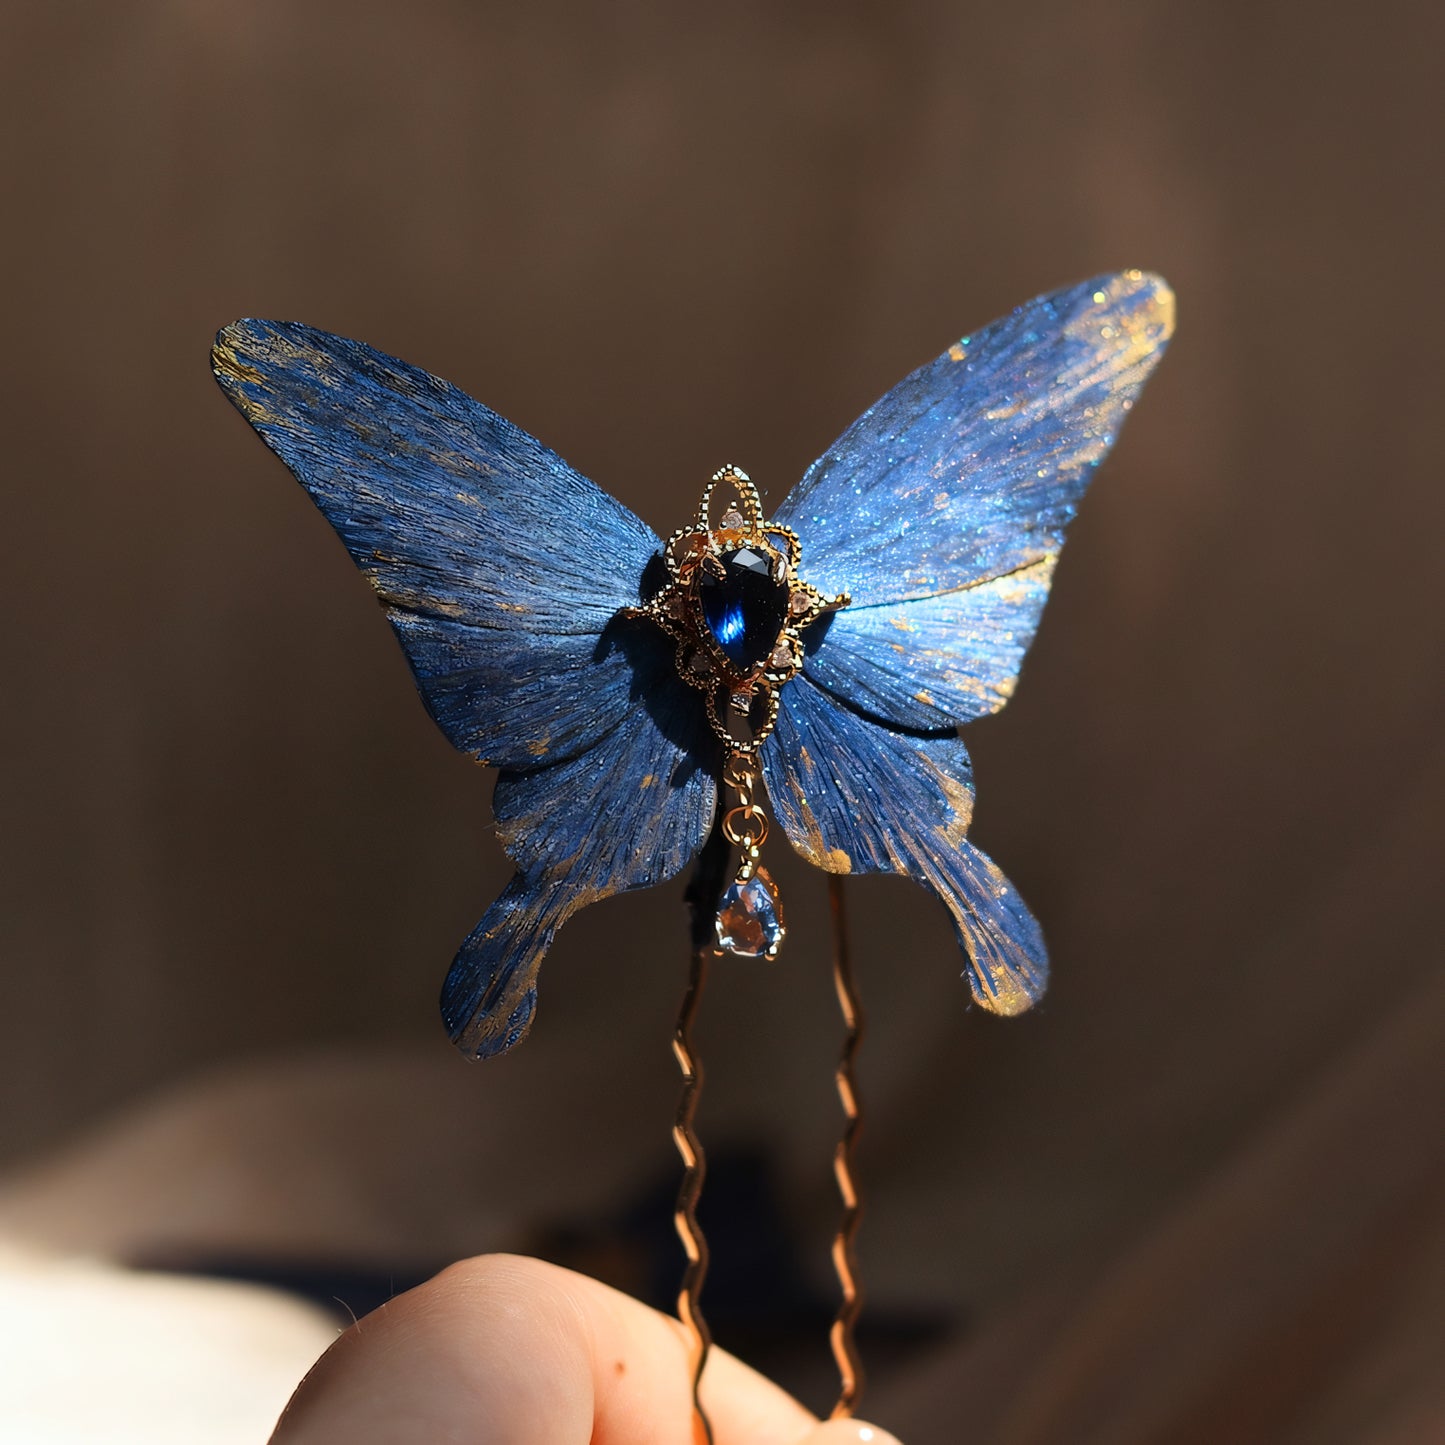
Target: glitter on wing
854	796
498	565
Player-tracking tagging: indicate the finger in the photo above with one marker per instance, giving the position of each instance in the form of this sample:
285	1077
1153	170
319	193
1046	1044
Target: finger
505	1349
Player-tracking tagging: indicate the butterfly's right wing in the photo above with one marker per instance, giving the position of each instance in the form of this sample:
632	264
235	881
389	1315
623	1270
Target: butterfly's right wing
498	565
627	813
503	572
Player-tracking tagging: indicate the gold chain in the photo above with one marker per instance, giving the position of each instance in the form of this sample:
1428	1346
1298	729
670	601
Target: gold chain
745	824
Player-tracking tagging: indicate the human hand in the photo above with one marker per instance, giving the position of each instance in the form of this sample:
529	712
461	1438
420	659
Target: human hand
503	1350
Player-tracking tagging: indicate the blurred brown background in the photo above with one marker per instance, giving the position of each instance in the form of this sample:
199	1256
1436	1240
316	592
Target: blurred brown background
237	857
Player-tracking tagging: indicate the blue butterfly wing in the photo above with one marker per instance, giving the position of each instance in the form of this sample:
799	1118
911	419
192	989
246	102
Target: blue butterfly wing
941	510
933	662
503	572
855	796
628	813
498	565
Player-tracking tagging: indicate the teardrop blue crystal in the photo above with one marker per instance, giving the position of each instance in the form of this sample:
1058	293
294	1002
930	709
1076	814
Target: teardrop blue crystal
745	607
750	917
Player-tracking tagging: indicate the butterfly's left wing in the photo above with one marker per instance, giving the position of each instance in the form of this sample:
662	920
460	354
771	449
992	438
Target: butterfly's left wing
854	796
941	511
503	572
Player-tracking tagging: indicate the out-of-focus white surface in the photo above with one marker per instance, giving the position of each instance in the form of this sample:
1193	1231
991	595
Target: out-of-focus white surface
95	1355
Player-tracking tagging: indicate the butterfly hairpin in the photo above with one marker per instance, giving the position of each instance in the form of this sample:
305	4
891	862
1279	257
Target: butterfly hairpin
639	697
832	651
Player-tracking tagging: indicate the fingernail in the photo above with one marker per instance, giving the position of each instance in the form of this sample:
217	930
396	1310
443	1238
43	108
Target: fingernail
850	1432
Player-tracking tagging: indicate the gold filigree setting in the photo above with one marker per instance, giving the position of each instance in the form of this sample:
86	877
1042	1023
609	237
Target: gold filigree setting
741	701
741	692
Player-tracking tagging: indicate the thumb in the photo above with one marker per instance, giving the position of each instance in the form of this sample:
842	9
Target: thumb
848	1432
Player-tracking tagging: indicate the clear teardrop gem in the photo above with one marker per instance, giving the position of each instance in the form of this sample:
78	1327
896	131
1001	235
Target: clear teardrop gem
750	917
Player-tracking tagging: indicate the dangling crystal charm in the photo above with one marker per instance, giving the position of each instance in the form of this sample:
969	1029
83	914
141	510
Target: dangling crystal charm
750	917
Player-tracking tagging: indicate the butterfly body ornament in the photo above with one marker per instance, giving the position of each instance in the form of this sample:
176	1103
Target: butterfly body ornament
628	689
